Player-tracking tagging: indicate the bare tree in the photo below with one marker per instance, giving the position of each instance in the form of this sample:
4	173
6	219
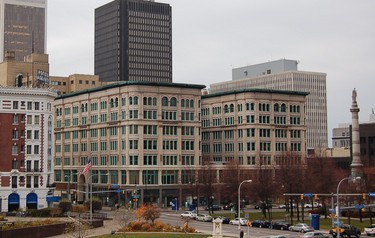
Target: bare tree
78	228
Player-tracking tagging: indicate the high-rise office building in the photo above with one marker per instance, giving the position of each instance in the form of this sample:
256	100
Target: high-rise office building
22	27
133	41
283	75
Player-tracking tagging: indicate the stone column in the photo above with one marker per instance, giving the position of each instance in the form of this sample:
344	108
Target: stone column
356	166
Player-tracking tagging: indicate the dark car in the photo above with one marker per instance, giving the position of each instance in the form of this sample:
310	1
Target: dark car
345	231
213	208
228	206
261	224
224	219
280	225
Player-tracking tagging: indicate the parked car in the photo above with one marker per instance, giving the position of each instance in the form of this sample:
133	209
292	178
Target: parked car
280	225
286	205
345	231
228	206
261	224
213	208
203	217
189	214
237	220
314	234
370	230
301	227
224	219
309	205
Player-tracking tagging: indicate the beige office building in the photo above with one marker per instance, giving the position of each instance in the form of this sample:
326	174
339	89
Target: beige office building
253	128
141	137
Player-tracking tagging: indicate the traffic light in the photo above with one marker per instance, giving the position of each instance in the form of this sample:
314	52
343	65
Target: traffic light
301	196
316	196
364	195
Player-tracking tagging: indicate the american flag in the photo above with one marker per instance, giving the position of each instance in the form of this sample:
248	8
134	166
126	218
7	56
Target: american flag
87	167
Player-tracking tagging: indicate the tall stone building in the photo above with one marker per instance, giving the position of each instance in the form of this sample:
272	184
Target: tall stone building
23	25
133	41
142	136
253	128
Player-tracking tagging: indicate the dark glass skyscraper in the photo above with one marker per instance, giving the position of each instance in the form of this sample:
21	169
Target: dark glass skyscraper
22	27
133	41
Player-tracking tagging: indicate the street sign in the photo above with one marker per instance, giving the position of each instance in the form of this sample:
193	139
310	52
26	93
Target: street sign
359	206
308	194
371	194
135	196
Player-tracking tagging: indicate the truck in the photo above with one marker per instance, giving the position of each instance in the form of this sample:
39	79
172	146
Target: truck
370	230
345	231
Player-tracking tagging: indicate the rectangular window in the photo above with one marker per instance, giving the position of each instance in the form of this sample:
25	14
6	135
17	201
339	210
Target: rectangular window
133	159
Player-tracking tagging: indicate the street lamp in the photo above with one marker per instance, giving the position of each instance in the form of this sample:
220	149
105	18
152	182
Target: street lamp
90	179
239	200
338	204
68	188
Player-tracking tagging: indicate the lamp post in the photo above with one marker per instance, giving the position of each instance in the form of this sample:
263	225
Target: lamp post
68	188
239	201
338	204
90	179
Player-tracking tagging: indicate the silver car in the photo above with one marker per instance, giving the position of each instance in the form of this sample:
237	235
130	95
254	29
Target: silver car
301	227
235	221
203	217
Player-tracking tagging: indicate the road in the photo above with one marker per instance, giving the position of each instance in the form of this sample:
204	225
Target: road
174	219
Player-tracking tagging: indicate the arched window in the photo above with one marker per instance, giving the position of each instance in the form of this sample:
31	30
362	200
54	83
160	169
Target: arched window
144	101
149	101
130	100
112	104
226	110
283	107
164	101
276	107
173	102
298	109
135	100
154	102
231	108
116	102
192	103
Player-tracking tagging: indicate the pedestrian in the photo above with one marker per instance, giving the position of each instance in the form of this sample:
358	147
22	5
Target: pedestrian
241	233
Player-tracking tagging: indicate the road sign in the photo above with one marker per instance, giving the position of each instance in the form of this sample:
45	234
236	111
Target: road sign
371	194
359	206
308	194
135	196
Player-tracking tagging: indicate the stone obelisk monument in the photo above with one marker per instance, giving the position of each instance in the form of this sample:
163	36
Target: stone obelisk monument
356	166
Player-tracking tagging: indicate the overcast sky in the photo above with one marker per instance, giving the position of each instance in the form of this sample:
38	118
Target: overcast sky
210	37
